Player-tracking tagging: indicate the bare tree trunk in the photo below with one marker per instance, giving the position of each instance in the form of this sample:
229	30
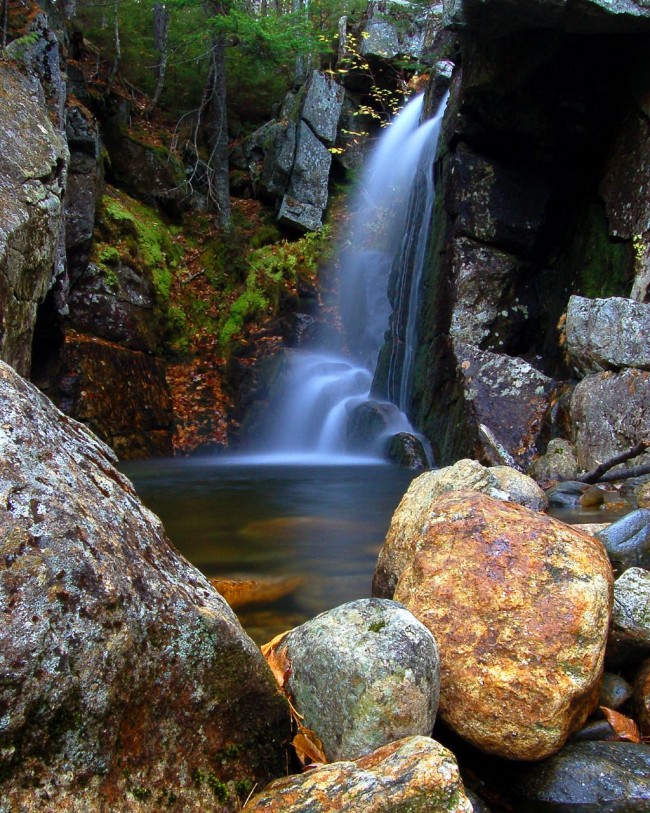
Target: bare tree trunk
215	130
116	42
160	39
5	22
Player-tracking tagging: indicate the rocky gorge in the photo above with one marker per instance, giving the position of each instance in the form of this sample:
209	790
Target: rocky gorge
127	682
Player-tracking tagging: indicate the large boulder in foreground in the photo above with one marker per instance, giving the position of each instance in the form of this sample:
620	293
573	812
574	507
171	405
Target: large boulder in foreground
519	604
413	512
415	774
362	675
126	682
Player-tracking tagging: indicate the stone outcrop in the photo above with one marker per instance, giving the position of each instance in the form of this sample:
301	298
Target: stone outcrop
294	153
33	164
363	675
607	334
519	604
415	774
610	413
415	510
126	680
541	179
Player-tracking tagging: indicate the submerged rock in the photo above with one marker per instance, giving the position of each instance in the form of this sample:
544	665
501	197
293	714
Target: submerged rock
519	604
415	774
591	777
126	680
363	675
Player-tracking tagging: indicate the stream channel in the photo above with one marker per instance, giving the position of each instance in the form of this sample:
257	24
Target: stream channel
242	517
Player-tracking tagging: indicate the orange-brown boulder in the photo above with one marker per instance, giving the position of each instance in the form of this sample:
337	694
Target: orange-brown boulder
520	606
414	774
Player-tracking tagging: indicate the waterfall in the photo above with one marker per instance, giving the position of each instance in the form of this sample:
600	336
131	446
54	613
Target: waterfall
409	266
325	412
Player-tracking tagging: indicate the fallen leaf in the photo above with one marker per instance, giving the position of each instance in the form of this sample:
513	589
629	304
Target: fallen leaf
308	747
624	728
277	661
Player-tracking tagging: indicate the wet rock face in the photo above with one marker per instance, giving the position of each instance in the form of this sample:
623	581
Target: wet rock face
415	774
126	680
591	777
122	395
519	605
507	395
363	675
607	334
627	541
33	160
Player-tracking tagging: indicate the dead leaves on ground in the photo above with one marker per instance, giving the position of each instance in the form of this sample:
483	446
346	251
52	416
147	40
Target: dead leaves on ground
307	745
625	729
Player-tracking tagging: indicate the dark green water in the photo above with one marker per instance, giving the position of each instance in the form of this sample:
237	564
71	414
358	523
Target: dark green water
323	523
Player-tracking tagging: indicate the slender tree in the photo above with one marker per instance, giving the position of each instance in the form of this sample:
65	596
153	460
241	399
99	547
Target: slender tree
161	18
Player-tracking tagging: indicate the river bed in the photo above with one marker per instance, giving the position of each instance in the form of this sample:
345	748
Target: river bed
247	517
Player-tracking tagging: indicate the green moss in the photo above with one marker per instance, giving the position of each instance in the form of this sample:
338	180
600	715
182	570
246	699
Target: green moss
219	788
602	266
140	793
272	272
136	234
377	626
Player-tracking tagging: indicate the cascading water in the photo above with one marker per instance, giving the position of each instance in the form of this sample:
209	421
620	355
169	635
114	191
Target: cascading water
324	388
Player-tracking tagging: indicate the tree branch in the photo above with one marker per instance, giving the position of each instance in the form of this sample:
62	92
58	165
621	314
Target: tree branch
596	475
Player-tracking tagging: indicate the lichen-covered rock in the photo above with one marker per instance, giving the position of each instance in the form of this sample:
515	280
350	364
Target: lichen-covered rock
557	463
362	675
627	541
519	604
415	774
322	105
507	395
306	197
33	162
414	510
150	174
121	394
125	679
610	413
590	777
480	317
631	611
607	334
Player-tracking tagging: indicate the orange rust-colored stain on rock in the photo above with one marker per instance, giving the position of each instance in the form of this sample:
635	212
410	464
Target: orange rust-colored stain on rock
519	604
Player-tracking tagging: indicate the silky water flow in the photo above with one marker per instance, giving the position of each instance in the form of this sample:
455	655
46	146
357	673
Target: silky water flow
388	235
